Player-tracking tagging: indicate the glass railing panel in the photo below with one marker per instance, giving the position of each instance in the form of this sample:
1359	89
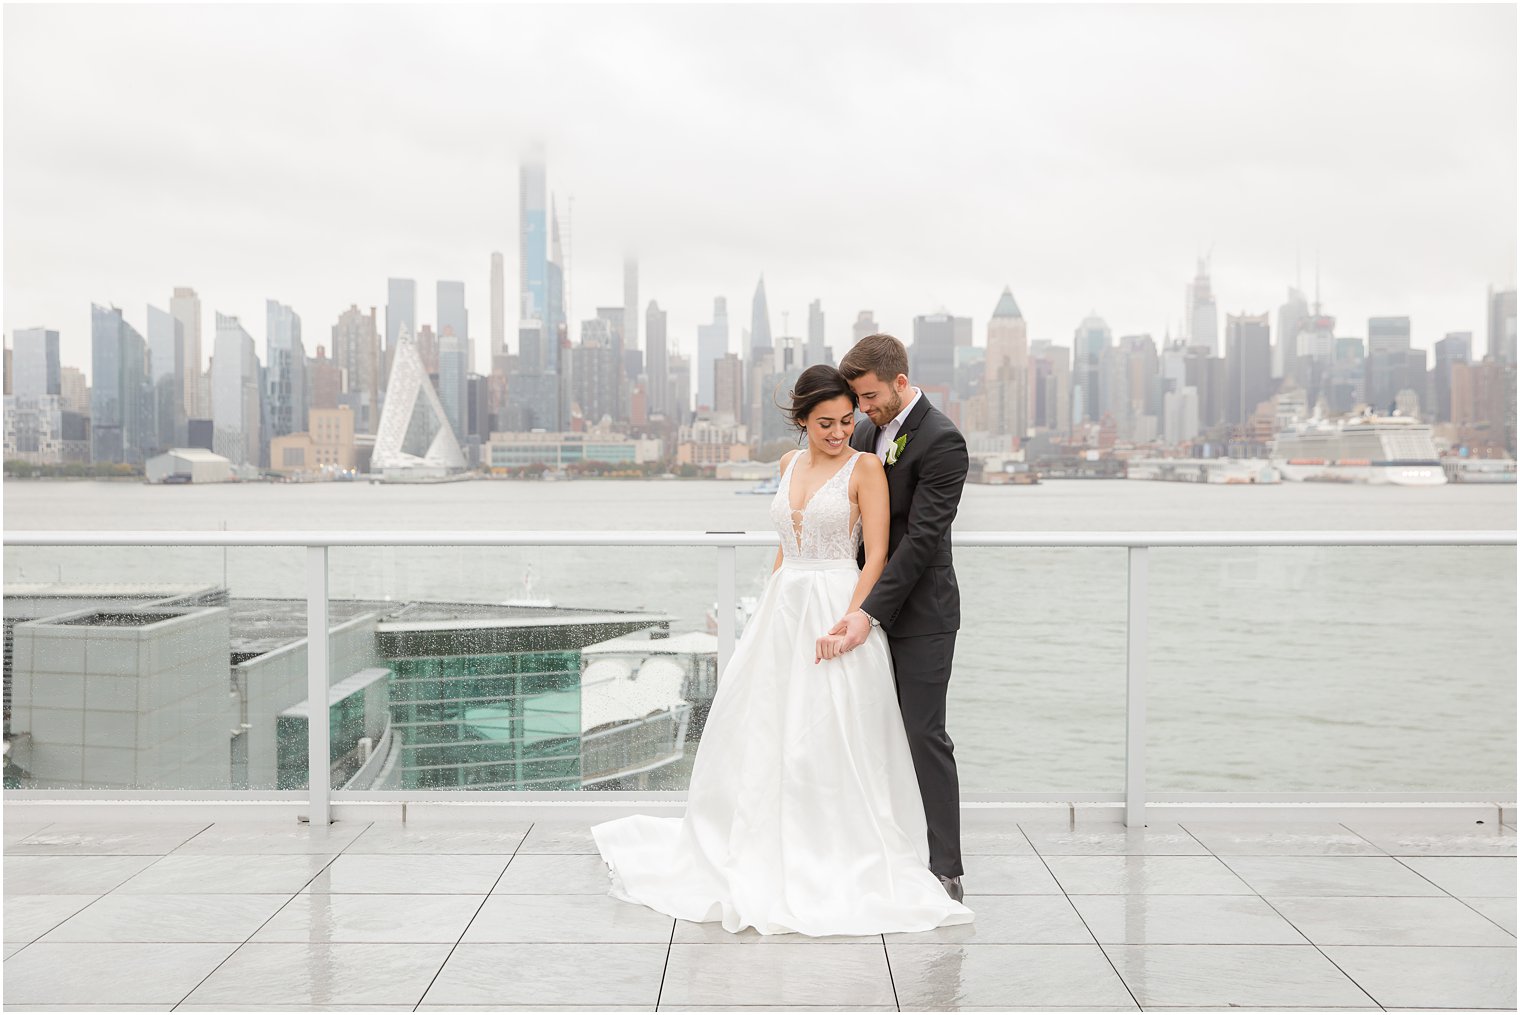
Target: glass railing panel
151	668
1332	669
1036	697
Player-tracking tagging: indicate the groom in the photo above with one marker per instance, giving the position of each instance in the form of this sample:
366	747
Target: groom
916	601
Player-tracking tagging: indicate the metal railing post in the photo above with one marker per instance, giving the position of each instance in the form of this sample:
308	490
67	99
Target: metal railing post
318	735
1134	710
728	603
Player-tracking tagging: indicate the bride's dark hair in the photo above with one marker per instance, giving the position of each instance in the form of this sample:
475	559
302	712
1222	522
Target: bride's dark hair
817	384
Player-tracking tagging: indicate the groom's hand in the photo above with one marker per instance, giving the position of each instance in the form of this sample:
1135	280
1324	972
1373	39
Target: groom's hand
852	630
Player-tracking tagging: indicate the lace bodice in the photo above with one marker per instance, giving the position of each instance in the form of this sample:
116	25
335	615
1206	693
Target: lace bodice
824	529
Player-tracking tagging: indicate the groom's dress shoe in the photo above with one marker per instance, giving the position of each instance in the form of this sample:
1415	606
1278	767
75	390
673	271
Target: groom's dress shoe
952	887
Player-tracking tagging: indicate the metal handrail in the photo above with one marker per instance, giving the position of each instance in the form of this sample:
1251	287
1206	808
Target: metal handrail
1136	544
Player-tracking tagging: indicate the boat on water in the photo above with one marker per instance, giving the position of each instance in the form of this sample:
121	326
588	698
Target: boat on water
1215	471
1479	470
1378	450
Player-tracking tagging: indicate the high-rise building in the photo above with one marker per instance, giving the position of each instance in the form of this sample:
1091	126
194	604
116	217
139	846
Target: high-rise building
712	345
1005	374
631	303
453	315
1455	348
931	356
658	372
728	381
75	392
453	374
326	384
235	409
1501	324
679	393
1050	397
816	352
1290	318
1248	365
1387	361
595	370
414	435
185	305
865	324
356	352
1202	312
1091	339
121	398
166	359
35	365
286	400
498	305
533	236
760	321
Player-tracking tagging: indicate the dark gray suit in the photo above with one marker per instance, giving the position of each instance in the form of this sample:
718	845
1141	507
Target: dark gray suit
919	606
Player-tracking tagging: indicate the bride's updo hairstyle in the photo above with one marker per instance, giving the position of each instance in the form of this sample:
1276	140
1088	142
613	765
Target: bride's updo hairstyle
817	384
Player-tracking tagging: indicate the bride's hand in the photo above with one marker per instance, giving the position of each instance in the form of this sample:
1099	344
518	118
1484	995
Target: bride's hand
829	647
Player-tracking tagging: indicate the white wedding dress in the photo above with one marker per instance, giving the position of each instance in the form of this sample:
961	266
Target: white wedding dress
804	812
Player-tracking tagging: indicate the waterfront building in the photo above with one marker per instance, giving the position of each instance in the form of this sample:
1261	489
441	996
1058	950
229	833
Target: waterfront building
415	439
166	361
236	413
557	450
712	439
325	380
188	465
185	305
43	430
36	369
121	398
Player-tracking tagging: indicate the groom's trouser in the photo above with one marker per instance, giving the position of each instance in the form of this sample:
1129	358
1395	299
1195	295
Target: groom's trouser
922	667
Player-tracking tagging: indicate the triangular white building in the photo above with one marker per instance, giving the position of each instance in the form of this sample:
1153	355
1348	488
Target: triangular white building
414	434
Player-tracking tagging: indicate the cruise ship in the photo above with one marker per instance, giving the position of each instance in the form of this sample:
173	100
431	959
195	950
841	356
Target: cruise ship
1395	450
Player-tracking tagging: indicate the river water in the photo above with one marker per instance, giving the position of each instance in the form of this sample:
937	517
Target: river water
1336	669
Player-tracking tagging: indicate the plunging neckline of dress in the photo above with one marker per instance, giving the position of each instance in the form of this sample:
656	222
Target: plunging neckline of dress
798	516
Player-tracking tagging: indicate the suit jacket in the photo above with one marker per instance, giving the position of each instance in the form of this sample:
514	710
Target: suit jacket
917	593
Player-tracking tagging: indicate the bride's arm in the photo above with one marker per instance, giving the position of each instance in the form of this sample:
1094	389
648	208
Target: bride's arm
782	467
870	481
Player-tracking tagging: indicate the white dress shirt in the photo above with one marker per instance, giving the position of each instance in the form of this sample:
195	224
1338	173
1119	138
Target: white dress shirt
887	434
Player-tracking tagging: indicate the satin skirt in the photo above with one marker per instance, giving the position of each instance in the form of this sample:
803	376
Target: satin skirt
803	814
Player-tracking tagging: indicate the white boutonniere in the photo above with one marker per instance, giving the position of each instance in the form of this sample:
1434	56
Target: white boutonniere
895	449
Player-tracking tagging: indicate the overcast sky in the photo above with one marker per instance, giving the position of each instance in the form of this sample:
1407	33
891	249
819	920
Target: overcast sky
902	159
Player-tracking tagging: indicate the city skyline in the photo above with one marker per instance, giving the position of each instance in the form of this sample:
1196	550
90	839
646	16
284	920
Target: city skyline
1078	208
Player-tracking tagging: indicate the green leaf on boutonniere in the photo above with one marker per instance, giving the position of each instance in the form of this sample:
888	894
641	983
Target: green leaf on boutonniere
895	449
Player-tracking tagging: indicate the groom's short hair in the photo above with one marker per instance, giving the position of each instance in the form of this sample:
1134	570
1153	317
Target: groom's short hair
881	355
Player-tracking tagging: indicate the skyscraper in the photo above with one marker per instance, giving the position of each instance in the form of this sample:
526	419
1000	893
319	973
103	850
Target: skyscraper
631	303
865	324
1091	338
1387	360
760	321
532	237
498	305
1290	318
453	373
1455	348
931	357
35	366
235	410
185	305
285	393
166	358
815	341
356	351
1501	324
1202	313
452	315
712	345
658	363
121	400
1005	377
1248	365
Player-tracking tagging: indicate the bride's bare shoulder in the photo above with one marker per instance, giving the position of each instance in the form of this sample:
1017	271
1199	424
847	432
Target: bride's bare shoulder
786	459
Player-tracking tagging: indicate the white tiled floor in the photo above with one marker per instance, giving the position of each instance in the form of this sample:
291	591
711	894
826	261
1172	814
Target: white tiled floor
1193	916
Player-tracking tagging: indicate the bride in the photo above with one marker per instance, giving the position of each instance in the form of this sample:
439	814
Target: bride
804	812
